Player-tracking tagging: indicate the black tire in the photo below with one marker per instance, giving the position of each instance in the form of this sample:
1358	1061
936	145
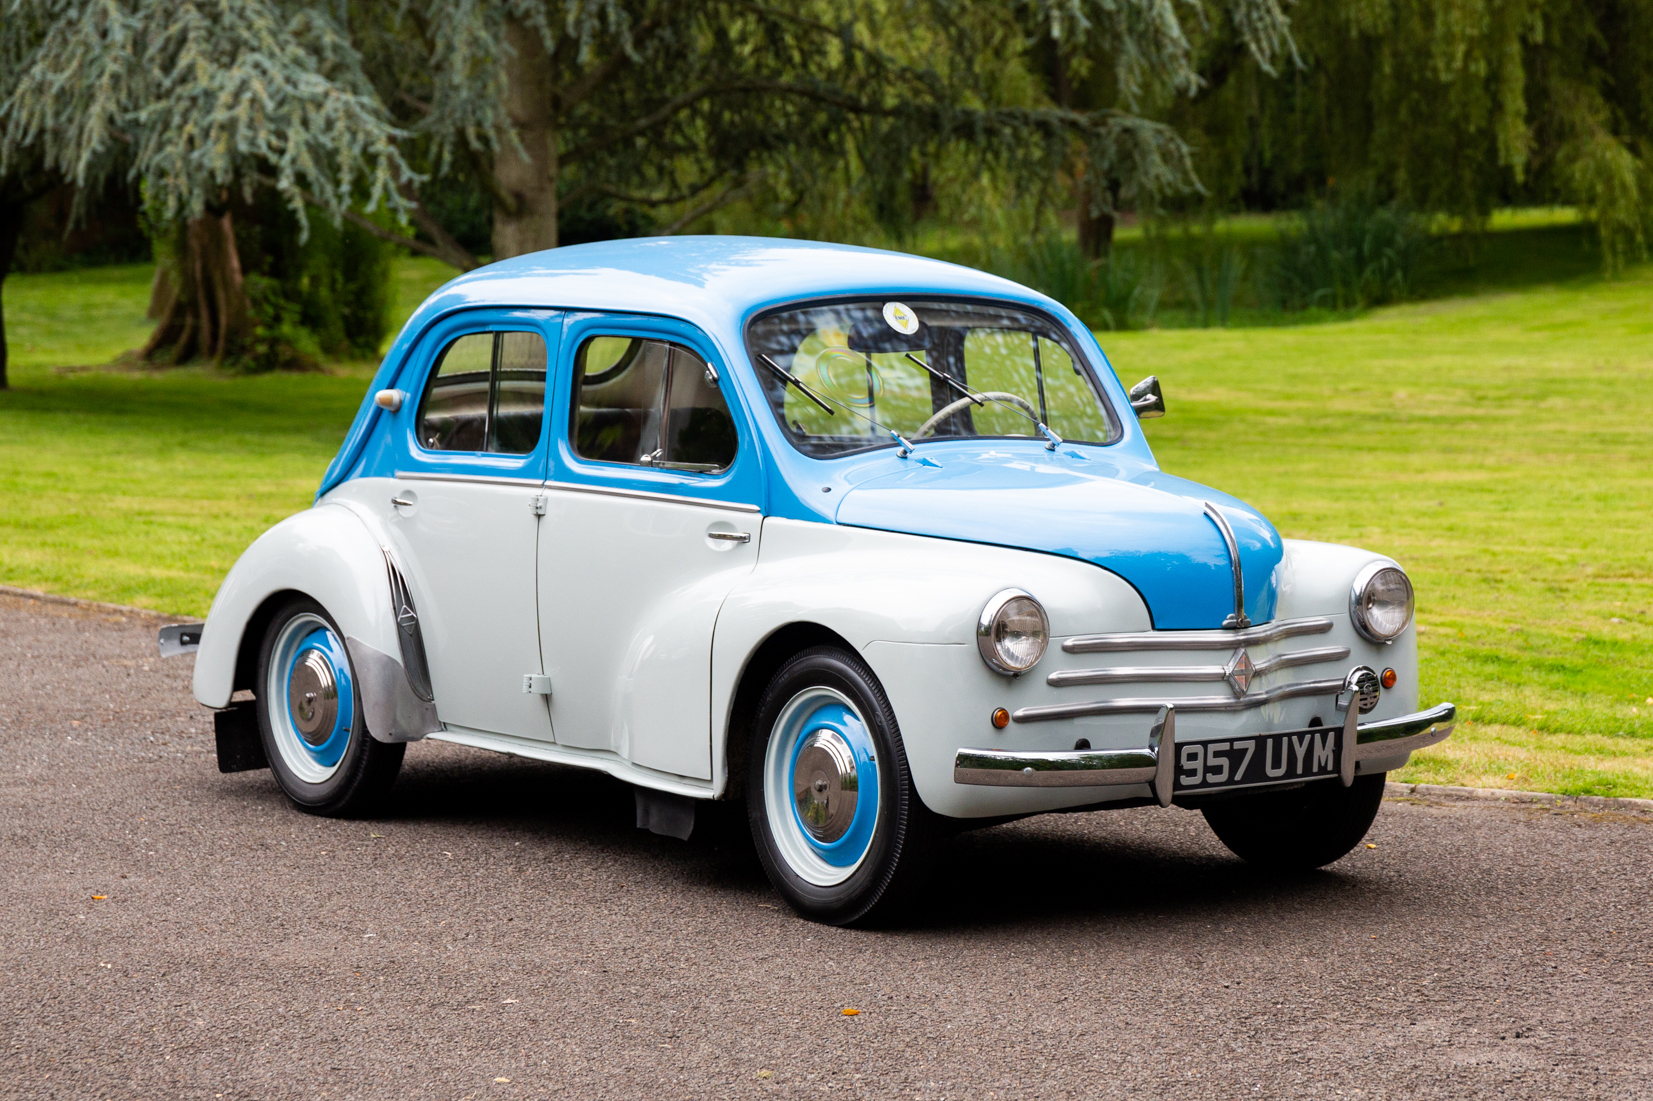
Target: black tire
891	874
1298	830
367	768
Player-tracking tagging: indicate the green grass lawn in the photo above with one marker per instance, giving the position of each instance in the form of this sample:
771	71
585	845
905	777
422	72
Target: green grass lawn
1499	444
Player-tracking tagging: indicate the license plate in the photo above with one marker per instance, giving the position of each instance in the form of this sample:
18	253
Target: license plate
1260	759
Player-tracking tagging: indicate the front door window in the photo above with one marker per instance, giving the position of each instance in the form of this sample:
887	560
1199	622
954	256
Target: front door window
650	403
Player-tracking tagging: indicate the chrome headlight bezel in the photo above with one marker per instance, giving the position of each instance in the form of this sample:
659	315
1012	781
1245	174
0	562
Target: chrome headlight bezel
1359	605
987	633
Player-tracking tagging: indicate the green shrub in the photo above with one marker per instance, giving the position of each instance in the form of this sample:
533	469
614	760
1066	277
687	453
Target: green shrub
1348	252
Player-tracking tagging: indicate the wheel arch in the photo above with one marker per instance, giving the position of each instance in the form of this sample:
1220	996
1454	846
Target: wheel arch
328	555
760	667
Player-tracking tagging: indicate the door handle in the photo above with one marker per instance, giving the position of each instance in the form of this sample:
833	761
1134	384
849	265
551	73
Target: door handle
730	536
402	501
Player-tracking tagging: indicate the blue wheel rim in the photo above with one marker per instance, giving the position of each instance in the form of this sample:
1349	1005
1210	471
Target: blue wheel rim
324	641
847	851
309	637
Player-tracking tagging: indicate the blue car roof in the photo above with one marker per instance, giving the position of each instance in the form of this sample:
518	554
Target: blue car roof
716	283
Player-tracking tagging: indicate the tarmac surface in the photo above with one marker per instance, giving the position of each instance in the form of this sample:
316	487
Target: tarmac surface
505	932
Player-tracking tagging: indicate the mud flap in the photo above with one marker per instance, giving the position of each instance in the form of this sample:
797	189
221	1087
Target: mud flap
240	749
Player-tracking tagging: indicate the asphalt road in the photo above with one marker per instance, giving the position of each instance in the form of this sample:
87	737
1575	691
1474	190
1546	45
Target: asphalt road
505	920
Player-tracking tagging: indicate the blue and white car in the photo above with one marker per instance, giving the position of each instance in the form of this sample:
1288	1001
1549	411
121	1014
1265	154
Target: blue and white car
871	542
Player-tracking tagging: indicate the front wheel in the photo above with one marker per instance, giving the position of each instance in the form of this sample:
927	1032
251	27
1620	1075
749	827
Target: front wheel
836	820
310	717
1297	830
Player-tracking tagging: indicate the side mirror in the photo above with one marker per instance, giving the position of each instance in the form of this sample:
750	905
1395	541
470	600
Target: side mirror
1147	400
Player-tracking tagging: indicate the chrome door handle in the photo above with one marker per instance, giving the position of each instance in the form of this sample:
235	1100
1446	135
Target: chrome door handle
402	501
731	536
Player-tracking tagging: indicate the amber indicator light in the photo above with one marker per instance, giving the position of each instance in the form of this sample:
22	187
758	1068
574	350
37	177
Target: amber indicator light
1001	718
1389	678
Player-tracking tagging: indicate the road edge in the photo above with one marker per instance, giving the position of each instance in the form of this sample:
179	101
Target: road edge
1392	790
92	605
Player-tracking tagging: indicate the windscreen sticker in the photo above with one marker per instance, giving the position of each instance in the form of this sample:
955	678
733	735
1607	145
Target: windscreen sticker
900	318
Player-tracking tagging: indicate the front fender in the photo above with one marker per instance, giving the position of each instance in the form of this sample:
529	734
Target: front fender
327	554
890	595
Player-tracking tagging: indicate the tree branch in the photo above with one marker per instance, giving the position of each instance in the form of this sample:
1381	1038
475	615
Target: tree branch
446	249
732	193
575	93
642	125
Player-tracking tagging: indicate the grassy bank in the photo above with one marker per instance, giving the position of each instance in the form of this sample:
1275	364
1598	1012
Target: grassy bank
1495	443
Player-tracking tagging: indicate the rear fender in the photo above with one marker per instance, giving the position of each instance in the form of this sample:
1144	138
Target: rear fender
327	554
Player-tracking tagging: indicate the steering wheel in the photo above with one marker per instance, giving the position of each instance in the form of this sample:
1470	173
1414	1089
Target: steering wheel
948	410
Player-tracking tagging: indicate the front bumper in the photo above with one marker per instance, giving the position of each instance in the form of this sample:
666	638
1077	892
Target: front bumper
1154	763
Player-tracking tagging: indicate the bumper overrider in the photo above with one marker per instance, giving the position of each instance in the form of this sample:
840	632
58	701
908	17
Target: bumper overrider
1155	764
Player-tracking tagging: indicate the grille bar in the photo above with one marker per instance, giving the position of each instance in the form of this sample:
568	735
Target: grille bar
1190	674
1049	712
1196	640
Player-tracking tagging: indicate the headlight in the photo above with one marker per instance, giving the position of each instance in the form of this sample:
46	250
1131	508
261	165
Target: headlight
1381	602
1012	632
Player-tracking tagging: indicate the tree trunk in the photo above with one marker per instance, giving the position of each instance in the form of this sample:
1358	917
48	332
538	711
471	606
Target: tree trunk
11	225
207	314
1095	230
525	200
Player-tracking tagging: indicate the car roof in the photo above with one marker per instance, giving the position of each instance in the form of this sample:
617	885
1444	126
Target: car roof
714	281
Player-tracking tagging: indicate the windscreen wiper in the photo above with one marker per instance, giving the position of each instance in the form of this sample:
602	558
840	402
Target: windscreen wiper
788	376
949	380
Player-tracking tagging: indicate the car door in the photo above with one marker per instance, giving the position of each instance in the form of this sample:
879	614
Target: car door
651	517
465	511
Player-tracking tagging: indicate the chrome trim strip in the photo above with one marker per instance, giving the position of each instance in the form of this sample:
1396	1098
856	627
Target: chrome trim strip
1190	674
473	479
645	495
1048	712
1196	640
1150	765
609	491
1238	619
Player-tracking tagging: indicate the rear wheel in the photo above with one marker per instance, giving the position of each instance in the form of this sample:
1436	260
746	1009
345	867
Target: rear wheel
1297	830
310	717
836	820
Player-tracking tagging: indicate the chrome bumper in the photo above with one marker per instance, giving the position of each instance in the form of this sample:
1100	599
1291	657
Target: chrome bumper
1154	763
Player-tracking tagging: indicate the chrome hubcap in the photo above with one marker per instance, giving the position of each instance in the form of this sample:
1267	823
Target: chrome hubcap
313	697
820	786
824	785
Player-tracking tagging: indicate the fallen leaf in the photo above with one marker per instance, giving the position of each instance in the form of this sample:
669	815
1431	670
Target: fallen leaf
851	1012
99	898
1511	776
766	1074
1369	845
501	1081
375	835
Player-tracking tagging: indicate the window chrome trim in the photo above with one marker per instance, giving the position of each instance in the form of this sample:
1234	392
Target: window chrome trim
1189	674
1050	712
1196	640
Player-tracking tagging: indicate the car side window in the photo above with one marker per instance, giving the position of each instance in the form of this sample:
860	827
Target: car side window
487	393
650	403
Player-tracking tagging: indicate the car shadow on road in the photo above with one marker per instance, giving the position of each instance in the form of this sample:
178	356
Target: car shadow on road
1135	866
1108	866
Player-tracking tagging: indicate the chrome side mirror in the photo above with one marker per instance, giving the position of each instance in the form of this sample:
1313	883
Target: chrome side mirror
1147	400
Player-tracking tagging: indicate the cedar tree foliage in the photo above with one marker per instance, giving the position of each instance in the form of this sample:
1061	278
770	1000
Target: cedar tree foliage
678	107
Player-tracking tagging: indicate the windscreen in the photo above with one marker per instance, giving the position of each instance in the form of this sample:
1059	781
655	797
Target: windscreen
842	376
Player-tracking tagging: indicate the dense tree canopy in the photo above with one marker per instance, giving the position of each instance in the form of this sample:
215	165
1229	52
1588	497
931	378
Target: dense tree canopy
542	105
1452	108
